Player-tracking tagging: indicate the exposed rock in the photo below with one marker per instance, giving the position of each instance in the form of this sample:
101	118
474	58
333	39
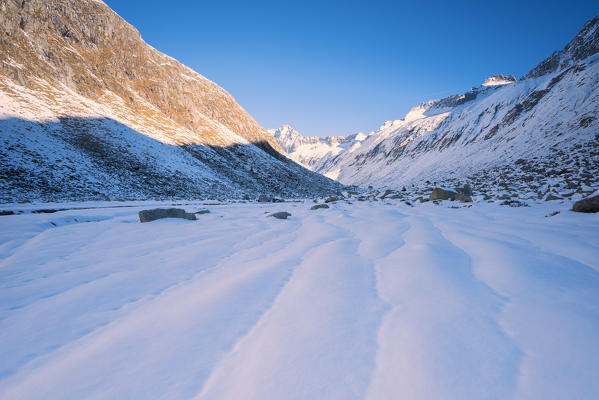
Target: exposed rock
588	205
514	203
551	197
388	192
317	206
330	199
463	198
264	198
158	213
584	44
202	212
442	194
465	190
280	215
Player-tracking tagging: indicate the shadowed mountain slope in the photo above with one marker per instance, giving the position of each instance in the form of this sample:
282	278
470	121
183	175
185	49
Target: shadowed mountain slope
66	60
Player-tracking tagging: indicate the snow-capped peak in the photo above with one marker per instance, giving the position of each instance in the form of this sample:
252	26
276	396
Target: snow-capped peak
314	151
497	80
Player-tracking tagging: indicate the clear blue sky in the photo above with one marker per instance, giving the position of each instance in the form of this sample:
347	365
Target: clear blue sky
338	67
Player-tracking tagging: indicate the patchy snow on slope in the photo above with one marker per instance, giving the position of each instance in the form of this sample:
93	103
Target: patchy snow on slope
546	121
370	300
483	131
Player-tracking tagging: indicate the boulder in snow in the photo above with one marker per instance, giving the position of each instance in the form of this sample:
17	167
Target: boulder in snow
280	215
442	194
158	213
588	205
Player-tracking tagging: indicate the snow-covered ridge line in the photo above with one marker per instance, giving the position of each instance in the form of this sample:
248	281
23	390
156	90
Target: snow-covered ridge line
313	151
474	135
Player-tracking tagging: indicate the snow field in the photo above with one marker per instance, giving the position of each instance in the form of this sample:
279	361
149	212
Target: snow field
363	300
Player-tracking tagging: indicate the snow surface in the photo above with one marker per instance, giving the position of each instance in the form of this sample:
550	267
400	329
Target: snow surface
372	300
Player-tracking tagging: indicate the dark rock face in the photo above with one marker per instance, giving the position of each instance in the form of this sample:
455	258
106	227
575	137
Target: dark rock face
463	198
584	44
330	199
159	213
551	197
317	206
588	205
280	215
442	194
466	190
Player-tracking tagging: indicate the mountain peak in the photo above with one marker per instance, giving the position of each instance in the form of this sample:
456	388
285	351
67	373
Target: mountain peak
584	45
497	80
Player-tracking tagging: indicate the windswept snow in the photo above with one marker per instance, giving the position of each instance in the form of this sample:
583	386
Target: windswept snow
360	301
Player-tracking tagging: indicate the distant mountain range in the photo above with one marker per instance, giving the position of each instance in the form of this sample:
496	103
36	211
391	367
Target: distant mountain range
88	110
543	127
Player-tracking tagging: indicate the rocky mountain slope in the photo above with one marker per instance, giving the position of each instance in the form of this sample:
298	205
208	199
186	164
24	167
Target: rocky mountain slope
532	136
89	110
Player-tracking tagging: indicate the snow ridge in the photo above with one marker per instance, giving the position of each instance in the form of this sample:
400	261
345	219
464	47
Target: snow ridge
547	121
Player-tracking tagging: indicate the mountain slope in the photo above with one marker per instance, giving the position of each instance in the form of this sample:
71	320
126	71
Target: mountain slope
547	122
75	77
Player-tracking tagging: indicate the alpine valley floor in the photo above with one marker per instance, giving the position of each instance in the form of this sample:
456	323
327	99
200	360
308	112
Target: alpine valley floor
370	300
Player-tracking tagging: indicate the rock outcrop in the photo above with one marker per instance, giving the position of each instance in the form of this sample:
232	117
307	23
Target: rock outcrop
159	213
587	205
280	215
584	45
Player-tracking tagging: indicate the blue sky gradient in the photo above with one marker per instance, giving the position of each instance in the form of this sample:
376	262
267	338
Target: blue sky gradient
338	67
